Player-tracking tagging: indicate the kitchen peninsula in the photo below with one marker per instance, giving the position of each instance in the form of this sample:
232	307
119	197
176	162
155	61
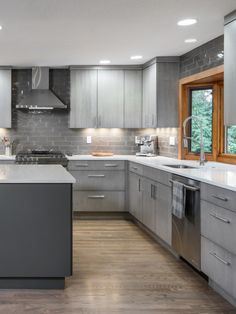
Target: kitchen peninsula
35	226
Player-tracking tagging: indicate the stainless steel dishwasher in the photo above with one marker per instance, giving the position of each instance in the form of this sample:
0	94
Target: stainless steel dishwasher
186	240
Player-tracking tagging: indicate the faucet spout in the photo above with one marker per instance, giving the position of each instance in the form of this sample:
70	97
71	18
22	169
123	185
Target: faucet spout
201	144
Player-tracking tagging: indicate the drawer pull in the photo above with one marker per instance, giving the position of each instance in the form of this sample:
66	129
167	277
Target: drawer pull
134	168
96	196
227	221
81	165
96	175
220	259
110	165
221	198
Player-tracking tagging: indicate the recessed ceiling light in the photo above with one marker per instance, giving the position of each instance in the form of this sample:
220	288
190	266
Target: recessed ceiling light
187	22
0	27
190	40
136	57
104	61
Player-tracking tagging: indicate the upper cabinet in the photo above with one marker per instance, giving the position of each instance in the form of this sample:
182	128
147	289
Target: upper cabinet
133	99
160	93
125	97
5	98
150	96
230	69
83	99
110	98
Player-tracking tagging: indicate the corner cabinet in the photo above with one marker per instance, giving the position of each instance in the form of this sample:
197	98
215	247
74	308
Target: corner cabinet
5	98
160	93
83	112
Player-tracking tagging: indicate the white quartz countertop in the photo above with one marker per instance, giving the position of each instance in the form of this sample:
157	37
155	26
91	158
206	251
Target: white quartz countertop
5	157
214	173
34	174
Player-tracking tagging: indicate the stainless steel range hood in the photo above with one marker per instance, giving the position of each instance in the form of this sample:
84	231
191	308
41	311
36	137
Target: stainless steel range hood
40	97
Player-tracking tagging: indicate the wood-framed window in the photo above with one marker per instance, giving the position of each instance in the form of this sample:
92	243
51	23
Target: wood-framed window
202	95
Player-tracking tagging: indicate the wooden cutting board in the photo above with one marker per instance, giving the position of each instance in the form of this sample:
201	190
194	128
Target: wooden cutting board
102	154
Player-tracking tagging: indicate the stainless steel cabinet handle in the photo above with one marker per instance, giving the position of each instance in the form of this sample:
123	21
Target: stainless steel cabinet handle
225	220
225	199
81	165
220	259
134	168
153	191
110	165
96	196
139	185
96	175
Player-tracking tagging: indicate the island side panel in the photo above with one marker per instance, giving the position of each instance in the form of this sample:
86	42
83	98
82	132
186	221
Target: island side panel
35	230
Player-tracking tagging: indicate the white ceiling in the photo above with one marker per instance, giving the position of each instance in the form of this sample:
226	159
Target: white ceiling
65	32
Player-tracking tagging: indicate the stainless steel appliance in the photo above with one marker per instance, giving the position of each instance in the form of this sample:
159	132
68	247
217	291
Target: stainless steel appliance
186	240
41	156
147	144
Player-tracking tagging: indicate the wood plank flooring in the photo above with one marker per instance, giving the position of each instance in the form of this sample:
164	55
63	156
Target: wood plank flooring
118	269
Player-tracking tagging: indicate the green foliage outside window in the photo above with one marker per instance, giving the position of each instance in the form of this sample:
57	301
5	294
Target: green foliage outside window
202	107
231	140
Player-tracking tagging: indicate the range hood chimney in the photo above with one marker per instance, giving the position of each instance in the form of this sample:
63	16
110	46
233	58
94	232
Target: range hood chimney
40	97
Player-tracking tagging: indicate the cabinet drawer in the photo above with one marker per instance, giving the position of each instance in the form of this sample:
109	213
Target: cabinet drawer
98	201
219	225
136	168
221	197
219	265
157	175
99	180
96	165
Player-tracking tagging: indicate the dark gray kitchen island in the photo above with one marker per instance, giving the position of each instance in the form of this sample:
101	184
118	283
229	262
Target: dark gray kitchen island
35	226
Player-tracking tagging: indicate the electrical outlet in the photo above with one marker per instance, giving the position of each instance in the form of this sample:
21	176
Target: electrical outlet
172	140
89	139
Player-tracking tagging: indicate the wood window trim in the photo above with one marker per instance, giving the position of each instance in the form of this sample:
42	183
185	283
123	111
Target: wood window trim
212	77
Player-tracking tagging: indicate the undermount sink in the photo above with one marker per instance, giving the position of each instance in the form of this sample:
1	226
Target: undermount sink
180	166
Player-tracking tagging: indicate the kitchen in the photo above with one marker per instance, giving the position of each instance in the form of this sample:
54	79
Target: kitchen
117	166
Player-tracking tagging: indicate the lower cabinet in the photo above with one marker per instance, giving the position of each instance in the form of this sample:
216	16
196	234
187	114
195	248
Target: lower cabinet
219	265
150	203
105	201
100	186
135	195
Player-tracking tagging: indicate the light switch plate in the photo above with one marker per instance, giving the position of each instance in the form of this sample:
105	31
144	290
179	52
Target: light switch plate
89	139
172	140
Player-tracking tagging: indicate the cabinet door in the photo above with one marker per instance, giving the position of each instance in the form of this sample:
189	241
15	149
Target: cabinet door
149	204
5	98
163	213
83	112
133	99
150	97
167	94
135	195
229	74
111	98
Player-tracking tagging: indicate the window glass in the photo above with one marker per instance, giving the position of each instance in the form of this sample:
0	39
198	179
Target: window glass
230	139
201	105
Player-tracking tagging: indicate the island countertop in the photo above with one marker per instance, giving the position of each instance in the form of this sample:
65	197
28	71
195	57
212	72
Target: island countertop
34	174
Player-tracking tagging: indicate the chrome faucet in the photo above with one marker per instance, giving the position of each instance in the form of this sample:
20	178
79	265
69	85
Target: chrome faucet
186	138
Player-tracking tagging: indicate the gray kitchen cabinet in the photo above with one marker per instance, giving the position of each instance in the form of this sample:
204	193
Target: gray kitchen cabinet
230	69
167	94
149	114
100	185
83	113
135	195
5	98
163	223
149	203
133	99
110	98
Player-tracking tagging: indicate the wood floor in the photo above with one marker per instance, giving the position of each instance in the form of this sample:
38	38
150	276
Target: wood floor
119	269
